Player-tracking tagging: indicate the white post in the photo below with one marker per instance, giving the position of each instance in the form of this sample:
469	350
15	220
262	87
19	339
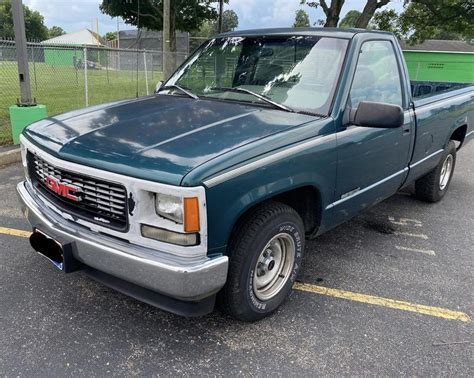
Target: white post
146	72
86	85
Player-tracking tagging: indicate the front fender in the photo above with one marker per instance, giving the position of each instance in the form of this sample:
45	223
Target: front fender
230	194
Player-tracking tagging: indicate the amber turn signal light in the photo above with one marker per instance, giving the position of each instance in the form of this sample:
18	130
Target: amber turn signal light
191	214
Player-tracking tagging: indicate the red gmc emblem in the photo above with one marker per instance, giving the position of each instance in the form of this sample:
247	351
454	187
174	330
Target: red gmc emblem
63	189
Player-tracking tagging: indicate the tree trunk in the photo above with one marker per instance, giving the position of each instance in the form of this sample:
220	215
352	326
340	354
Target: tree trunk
370	7
331	21
332	12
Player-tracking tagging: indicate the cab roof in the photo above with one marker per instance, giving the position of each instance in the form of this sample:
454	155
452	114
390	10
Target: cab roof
320	32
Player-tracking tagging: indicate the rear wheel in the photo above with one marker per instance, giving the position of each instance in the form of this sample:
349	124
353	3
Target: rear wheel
435	184
265	255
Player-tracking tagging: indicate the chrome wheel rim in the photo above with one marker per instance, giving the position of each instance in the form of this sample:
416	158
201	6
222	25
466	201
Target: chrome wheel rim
446	171
274	266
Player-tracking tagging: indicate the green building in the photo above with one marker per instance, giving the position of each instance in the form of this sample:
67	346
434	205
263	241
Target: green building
67	50
440	61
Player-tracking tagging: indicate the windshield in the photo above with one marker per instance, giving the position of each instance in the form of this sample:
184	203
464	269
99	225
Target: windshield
298	72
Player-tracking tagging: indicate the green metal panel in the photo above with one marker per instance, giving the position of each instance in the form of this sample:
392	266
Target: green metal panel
440	66
61	56
21	116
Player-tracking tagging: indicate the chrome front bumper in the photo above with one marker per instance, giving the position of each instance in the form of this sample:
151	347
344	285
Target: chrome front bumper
192	279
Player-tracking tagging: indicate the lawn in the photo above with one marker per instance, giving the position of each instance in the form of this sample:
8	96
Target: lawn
62	88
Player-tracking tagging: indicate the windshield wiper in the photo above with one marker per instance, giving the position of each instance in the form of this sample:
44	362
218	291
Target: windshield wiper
261	97
185	91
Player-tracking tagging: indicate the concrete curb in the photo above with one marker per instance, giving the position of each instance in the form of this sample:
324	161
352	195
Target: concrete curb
10	157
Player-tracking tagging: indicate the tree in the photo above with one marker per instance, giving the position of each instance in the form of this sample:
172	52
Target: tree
55	31
350	19
420	20
387	20
185	15
110	36
301	19
230	21
34	22
368	12
423	19
333	11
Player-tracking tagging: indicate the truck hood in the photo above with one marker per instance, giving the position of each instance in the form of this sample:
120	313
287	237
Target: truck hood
159	138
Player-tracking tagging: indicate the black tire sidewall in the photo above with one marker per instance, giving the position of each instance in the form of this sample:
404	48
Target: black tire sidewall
272	228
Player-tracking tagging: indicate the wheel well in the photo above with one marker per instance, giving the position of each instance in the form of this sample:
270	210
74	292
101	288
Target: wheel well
305	200
459	134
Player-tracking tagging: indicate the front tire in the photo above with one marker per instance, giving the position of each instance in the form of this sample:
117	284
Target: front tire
265	252
435	184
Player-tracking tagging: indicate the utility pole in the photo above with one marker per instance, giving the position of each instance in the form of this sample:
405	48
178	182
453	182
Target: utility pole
26	111
221	14
21	53
97	30
118	43
166	40
118	33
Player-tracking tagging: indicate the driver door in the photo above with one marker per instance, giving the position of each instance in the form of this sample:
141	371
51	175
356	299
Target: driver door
372	161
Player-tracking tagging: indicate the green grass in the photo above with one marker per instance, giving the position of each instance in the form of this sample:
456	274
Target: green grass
62	88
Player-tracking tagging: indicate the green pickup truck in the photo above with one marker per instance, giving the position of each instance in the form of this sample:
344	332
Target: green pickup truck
208	189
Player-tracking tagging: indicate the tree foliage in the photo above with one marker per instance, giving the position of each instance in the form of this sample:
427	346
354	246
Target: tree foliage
110	36
387	20
301	19
434	19
333	11
34	23
230	21
185	15
350	19
55	31
423	19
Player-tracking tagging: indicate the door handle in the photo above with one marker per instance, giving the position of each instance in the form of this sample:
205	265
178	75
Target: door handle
406	131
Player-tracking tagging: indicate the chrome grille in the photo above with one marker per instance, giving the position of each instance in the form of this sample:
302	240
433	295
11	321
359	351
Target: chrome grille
102	202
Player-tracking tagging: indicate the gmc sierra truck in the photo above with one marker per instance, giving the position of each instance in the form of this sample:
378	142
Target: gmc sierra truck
208	188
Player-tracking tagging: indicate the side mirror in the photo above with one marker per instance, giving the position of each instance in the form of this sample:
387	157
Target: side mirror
158	86
378	114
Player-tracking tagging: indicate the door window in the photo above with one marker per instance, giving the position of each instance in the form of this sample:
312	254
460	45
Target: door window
377	77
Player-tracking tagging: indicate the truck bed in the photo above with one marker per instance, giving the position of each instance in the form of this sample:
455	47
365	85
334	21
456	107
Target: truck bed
424	89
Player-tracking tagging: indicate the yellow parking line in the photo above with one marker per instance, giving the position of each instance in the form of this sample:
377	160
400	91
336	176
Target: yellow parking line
336	293
385	302
15	232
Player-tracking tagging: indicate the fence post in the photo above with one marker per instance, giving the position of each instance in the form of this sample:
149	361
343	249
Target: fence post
34	66
86	85
146	72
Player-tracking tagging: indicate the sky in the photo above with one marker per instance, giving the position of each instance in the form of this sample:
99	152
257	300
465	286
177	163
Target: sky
73	15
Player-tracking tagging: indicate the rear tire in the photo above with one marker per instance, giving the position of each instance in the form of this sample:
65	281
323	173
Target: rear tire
265	256
435	184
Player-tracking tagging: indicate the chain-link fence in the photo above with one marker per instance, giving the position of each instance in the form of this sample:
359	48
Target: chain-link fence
71	77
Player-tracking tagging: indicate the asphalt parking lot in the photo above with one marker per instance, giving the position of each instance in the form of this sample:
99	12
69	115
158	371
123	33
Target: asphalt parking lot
400	302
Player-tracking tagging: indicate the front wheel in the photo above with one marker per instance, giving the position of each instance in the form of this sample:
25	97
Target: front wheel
265	256
435	184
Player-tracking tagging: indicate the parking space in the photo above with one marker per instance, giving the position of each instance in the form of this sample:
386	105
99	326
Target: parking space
388	293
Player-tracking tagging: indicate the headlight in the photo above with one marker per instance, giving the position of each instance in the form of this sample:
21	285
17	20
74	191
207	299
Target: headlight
170	207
